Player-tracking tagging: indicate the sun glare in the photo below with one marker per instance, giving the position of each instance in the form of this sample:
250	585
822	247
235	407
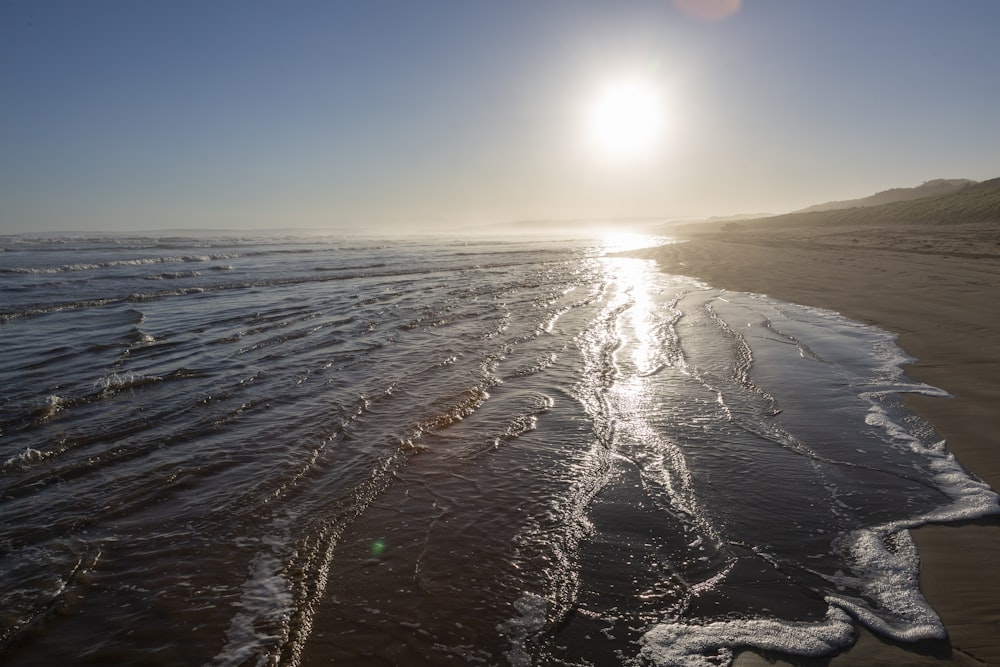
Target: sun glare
624	120
623	241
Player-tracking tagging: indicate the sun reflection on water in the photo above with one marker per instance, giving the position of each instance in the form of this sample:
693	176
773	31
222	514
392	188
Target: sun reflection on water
638	325
623	241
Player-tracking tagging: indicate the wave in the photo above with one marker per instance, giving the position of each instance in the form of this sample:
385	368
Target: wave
116	263
172	275
23	459
713	644
140	297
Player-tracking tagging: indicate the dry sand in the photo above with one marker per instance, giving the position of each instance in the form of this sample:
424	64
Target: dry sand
939	289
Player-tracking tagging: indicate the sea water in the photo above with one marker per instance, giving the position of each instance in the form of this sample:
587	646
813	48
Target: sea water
281	450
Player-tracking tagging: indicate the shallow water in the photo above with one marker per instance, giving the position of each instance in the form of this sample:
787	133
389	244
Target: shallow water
278	450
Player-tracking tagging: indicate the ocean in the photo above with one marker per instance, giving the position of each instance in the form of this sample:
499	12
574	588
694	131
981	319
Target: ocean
295	450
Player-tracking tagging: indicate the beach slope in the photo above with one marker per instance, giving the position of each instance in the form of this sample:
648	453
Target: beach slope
935	284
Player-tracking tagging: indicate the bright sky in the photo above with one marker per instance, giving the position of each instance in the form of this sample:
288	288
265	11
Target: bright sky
122	115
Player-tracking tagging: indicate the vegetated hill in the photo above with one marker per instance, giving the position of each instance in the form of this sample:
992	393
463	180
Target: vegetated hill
976	203
935	188
732	218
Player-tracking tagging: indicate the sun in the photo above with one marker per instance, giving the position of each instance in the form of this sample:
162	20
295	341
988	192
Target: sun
623	121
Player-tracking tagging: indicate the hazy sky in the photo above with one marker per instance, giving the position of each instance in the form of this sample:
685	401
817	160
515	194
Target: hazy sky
122	115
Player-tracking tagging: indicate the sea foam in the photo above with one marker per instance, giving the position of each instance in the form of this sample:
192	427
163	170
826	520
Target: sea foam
714	644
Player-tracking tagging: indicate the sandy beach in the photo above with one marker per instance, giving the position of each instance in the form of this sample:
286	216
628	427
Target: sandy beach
936	287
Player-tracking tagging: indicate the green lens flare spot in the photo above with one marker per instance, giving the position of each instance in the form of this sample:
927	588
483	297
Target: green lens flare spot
378	547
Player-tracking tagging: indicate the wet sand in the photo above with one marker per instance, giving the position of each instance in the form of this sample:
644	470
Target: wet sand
938	288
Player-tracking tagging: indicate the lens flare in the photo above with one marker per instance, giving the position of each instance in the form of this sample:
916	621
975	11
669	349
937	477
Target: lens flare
709	10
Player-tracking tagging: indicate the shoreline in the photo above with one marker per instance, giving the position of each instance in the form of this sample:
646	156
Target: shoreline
937	292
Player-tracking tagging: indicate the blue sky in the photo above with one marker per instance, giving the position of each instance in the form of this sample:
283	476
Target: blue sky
418	114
